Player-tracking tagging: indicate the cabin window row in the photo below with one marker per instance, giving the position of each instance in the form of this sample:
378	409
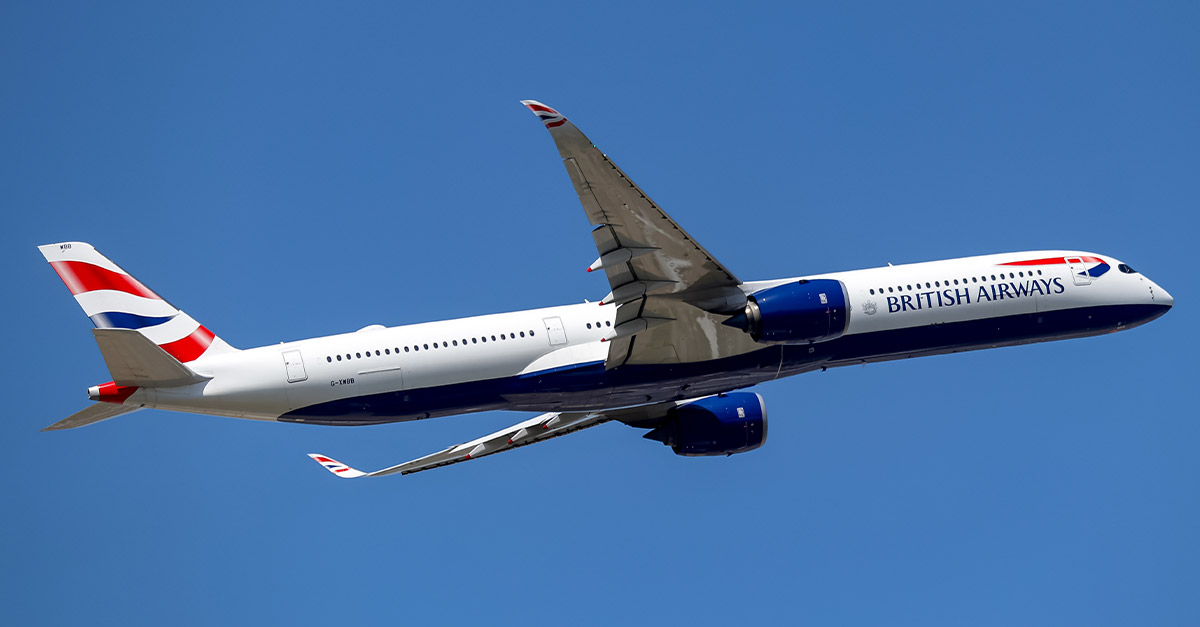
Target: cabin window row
947	283
416	348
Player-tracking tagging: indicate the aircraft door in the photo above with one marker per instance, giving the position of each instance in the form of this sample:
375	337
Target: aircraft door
1079	273
555	331
294	364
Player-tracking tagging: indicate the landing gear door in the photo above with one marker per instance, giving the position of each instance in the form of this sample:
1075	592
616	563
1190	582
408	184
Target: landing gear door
555	331
1079	273
295	366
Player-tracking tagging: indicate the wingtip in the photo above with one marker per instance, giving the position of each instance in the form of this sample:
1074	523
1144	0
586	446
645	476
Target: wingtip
335	467
548	116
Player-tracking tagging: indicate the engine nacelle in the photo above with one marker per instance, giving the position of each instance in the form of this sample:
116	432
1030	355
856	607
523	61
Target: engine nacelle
808	310
715	425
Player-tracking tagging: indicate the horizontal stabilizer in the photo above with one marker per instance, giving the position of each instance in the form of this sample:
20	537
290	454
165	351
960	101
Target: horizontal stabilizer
91	415
133	359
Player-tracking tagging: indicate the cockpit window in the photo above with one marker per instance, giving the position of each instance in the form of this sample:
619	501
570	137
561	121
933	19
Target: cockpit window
1126	269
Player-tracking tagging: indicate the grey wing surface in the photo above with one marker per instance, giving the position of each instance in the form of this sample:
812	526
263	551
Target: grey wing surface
672	295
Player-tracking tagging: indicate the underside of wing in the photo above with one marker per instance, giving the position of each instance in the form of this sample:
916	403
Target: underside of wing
537	429
671	293
532	431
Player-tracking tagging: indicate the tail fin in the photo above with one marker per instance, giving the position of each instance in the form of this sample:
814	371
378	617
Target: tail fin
115	300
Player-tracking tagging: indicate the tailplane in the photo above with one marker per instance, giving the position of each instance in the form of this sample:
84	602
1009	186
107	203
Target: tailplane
91	415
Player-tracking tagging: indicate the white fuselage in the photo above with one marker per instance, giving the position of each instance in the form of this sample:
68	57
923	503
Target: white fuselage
553	358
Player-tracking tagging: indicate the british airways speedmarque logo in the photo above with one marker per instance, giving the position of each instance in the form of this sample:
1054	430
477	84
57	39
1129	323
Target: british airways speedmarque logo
1094	266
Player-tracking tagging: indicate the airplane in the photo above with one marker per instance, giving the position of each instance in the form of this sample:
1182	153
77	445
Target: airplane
670	349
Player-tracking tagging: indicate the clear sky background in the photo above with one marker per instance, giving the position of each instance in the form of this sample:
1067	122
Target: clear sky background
289	170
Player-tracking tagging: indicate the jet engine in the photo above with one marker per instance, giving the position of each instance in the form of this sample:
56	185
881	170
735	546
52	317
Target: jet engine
801	312
715	425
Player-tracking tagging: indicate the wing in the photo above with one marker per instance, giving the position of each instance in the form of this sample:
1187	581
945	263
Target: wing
91	415
671	293
536	429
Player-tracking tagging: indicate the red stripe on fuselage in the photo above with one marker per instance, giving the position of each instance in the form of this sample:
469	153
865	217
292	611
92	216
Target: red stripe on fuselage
190	347
82	277
1050	260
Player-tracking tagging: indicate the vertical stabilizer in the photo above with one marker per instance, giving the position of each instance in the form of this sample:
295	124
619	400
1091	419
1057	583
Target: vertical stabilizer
115	300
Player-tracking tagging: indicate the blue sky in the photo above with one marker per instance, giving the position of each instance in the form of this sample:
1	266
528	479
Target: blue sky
288	170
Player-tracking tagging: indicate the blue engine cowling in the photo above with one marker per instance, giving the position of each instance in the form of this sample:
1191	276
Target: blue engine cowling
716	425
808	310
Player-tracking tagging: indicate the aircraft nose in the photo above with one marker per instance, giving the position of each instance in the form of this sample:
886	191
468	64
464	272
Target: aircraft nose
1162	297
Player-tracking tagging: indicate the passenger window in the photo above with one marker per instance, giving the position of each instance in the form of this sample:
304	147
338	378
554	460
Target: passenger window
406	349
339	357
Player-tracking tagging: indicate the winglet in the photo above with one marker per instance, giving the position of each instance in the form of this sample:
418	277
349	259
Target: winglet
547	115
336	467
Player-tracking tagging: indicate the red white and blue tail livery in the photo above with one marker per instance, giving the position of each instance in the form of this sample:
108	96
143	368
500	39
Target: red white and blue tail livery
670	349
115	300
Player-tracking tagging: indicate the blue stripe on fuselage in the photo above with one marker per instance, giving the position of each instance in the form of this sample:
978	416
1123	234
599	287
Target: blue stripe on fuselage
590	386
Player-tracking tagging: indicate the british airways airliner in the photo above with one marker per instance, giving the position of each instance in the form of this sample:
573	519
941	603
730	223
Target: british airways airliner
665	351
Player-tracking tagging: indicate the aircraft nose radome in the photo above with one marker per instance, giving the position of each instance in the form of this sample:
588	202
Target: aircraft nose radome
1163	297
